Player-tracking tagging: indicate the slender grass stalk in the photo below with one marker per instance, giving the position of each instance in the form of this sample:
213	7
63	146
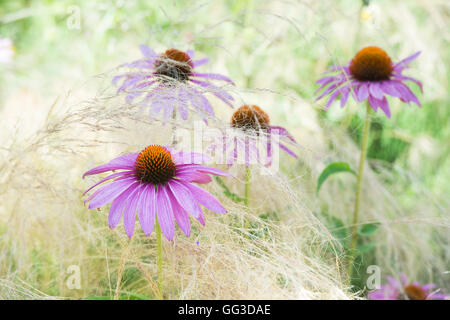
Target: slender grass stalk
159	259
125	253
354	233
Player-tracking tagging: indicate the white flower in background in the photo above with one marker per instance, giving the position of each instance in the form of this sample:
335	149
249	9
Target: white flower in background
6	50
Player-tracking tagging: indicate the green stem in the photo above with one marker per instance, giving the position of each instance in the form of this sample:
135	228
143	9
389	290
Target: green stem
247	186
354	233
159	259
174	128
247	193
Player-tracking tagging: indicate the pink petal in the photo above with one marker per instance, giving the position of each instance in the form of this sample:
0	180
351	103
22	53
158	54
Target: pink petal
164	212
205	198
123	162
121	175
182	195
109	192
363	92
181	216
117	206
129	215
147	209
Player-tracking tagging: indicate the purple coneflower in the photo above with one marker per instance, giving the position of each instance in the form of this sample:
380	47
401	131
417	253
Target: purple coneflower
371	76
167	81
254	133
157	182
404	290
254	123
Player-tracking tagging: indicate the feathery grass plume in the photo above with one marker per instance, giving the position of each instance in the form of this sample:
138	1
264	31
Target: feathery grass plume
168	82
17	289
370	76
405	290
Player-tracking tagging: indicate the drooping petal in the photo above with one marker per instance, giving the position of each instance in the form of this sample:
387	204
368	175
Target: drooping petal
164	212
218	92
438	296
125	162
406	93
333	97
363	92
405	62
286	149
147	52
281	132
183	195
394	283
405	78
190	53
147	209
129	214
194	176
180	214
182	104
373	103
328	90
200	102
109	192
200	62
118	205
204	169
388	87
213	76
183	158
375	90
344	97
119	175
384	105
205	198
428	286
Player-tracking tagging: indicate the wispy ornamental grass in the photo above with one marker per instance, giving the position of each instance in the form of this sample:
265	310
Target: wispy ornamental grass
269	260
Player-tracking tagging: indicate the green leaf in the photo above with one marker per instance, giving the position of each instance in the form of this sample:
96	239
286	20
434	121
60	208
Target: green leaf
132	296
332	168
366	247
234	197
338	230
98	298
368	229
124	295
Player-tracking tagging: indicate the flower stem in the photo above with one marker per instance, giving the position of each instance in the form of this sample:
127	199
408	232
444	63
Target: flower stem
354	234
247	186
247	193
174	128
159	259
